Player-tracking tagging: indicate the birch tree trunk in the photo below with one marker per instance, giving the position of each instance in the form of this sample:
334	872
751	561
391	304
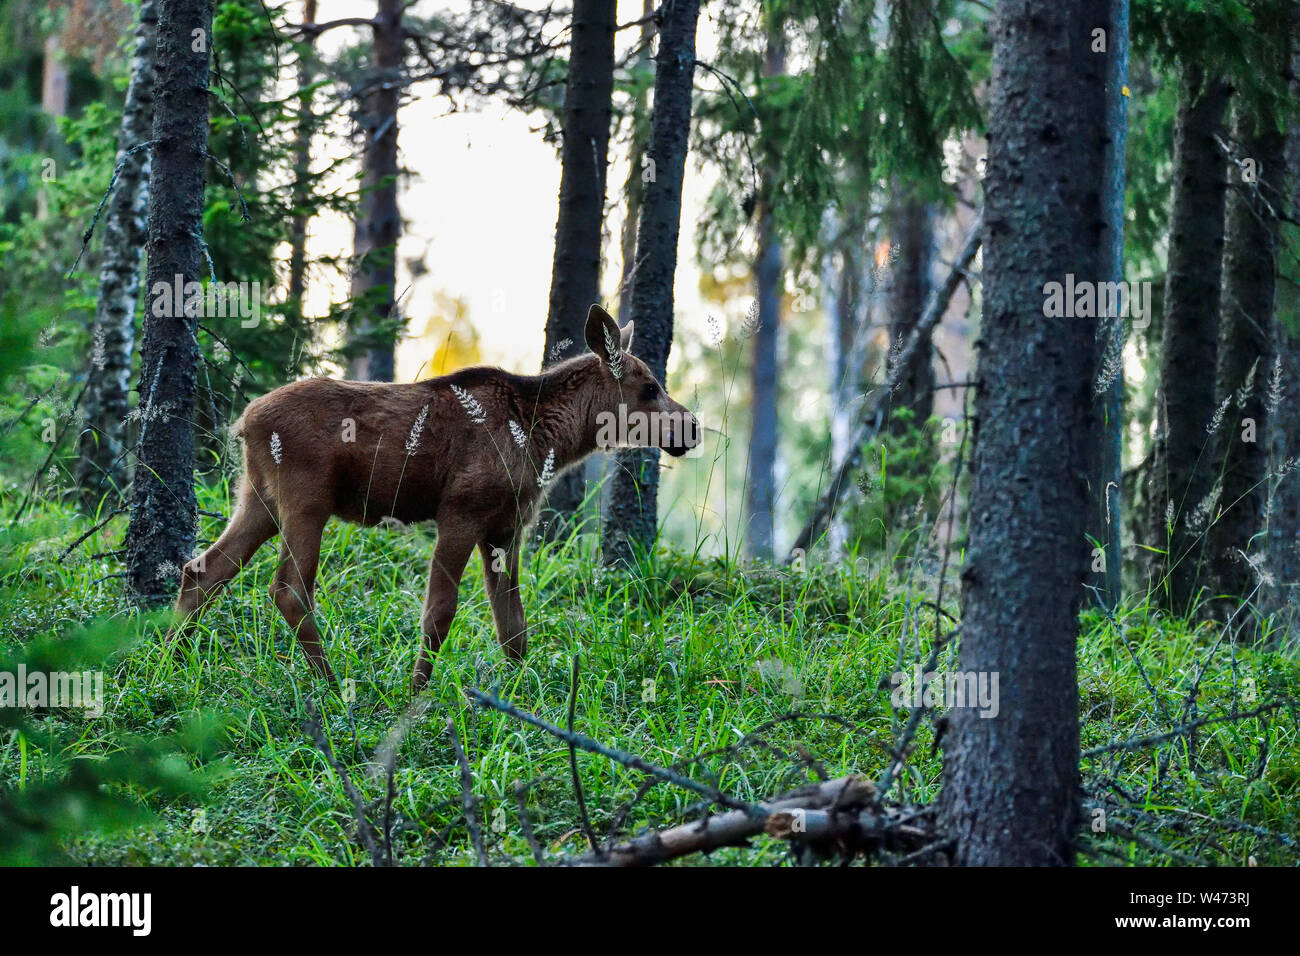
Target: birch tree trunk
101	455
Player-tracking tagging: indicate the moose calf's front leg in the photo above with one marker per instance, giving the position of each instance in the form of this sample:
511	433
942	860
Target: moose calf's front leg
448	564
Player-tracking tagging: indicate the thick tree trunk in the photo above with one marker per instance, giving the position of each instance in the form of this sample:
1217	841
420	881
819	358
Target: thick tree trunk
1281	596
1181	476
379	223
1246	351
912	236
631	518
1107	474
1011	782
160	537
575	273
101	461
764	378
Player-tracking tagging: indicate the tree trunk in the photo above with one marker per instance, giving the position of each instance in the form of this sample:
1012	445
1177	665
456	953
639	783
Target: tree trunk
634	188
1281	598
1181	476
303	130
160	537
760	496
631	518
1246	350
1107	474
379	223
1011	786
912	237
843	300
54	103
101	461
575	272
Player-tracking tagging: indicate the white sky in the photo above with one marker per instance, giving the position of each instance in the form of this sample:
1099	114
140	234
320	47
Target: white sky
480	208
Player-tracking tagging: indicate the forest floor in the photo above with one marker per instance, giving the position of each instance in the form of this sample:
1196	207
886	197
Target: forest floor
686	658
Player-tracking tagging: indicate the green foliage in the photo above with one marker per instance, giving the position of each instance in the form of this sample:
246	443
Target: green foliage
63	774
725	648
902	483
1240	40
873	97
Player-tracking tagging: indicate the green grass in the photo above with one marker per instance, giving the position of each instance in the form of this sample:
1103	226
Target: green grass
727	648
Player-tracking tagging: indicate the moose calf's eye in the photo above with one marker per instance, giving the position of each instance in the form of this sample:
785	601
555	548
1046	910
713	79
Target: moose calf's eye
649	392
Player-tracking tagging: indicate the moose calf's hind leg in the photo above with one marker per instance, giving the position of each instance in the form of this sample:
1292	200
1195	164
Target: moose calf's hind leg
448	564
501	576
294	586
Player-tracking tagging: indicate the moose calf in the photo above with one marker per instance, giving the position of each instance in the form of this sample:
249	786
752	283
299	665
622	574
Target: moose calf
472	450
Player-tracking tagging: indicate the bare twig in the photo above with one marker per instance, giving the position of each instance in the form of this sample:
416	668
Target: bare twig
573	766
467	795
632	761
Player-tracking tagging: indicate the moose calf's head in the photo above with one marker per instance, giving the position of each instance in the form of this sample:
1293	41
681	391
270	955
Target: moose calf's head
631	408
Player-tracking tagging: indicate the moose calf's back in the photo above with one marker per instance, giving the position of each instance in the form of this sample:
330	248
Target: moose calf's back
366	451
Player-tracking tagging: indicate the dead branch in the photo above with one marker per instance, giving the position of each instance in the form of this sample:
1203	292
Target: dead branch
632	761
1136	743
733	828
467	795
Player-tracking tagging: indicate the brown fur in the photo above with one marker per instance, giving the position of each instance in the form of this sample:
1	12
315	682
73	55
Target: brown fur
471	477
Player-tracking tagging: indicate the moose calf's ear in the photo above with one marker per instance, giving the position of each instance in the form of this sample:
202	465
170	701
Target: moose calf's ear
625	337
602	333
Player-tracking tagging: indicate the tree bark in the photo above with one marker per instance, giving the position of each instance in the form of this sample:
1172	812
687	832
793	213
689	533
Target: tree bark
1181	476
631	518
379	223
101	460
575	273
760	497
54	103
303	130
1281	597
160	536
1246	351
634	188
846	303
1011	782
1107	474
909	287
